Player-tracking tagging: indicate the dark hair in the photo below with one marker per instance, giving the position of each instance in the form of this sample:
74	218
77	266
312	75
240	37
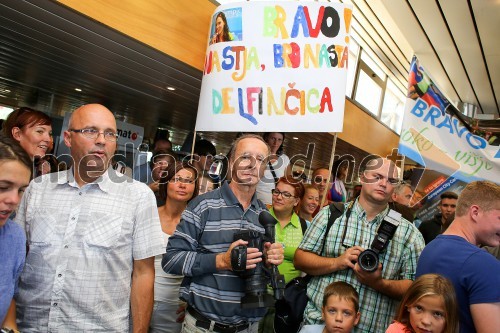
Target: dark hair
24	117
296	184
225	33
339	164
319	168
448	195
162	153
172	169
342	290
158	140
11	150
49	158
265	136
204	147
431	285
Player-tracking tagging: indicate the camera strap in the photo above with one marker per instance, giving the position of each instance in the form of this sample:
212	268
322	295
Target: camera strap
273	172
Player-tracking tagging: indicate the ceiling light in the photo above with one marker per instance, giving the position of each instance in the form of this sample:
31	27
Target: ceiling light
78	89
295	138
171	88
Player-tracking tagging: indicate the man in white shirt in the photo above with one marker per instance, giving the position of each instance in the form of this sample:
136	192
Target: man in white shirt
92	239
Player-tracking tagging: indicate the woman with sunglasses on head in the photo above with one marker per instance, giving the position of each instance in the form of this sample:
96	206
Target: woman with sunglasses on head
289	231
32	129
177	187
15	174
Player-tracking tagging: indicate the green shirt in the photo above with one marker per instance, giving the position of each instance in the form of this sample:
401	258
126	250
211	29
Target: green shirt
290	236
399	262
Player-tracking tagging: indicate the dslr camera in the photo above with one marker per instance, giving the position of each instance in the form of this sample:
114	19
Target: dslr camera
258	278
368	259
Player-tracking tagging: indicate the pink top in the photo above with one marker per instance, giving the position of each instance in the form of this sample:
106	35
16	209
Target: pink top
397	327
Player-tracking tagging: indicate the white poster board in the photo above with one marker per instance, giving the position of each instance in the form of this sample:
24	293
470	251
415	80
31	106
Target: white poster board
279	66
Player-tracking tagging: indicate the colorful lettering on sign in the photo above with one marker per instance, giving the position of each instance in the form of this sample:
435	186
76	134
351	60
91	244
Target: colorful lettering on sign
237	58
434	116
473	160
327	22
291	101
291	55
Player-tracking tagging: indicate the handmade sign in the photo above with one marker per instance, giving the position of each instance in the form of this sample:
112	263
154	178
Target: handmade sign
275	66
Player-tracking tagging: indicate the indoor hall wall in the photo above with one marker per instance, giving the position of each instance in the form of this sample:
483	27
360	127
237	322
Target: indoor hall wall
177	28
365	132
180	29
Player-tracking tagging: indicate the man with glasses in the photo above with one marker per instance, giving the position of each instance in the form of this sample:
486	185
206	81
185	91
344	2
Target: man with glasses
351	234
90	265
200	249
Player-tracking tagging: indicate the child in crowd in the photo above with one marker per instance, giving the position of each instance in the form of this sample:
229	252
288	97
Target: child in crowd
340	310
429	305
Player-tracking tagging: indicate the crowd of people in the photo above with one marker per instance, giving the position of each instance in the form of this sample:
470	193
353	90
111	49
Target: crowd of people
184	248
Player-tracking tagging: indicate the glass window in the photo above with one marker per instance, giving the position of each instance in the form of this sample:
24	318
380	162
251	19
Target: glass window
368	92
393	108
353	63
372	64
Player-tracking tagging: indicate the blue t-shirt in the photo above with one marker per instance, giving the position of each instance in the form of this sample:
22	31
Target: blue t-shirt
13	253
474	272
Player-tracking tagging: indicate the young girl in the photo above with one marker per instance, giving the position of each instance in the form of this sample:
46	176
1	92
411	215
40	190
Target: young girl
429	305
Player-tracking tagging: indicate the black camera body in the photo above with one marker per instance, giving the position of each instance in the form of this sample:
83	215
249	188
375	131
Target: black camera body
258	278
368	260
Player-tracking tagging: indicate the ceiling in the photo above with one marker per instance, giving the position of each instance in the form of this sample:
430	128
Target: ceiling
455	40
47	50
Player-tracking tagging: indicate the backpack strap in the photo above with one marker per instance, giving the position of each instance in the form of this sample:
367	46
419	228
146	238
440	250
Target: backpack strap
336	211
303	225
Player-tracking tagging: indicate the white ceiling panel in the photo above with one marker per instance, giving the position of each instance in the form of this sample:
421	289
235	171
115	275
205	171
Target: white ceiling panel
487	17
466	39
409	26
436	30
456	41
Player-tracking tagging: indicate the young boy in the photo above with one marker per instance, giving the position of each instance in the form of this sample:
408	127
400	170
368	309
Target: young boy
340	310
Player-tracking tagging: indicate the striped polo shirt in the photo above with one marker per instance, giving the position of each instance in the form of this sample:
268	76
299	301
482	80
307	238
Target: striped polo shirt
207	228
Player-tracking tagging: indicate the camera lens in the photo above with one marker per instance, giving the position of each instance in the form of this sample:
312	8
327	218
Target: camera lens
368	260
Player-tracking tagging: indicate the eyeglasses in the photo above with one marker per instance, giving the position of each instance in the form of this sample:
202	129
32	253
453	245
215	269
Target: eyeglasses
286	195
92	133
182	180
319	180
377	177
